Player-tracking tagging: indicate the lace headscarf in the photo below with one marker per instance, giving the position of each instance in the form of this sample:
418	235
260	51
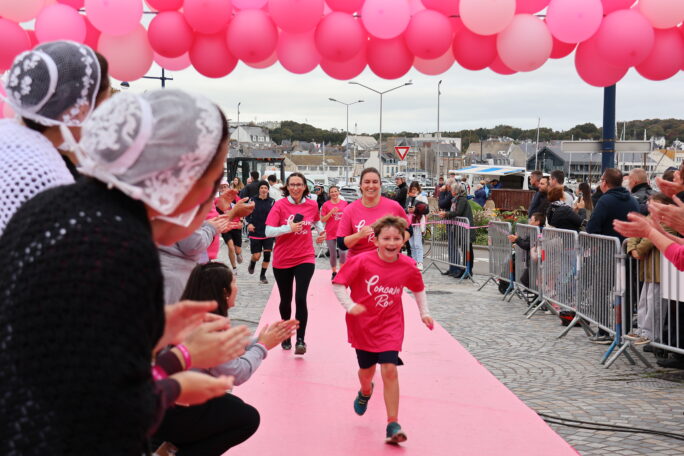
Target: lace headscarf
56	83
153	147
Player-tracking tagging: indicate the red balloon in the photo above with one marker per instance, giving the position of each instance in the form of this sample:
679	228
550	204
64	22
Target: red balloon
169	34
75	4
448	7
346	6
429	34
499	67
297	52
252	36
210	56
270	60
33	38
348	69
613	5
14	41
296	16
593	68
625	38
339	37
530	6
92	34
666	57
207	16
165	5
389	59
474	52
561	49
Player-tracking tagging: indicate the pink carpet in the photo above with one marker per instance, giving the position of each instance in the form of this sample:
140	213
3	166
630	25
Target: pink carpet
450	404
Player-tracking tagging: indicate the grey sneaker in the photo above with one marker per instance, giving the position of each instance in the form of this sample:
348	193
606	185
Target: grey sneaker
300	347
395	434
601	340
239	258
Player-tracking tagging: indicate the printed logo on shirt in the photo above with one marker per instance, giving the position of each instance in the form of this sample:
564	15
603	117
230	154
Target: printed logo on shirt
382	298
306	224
361	224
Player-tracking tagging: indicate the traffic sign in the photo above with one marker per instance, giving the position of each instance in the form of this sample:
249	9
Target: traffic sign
402	151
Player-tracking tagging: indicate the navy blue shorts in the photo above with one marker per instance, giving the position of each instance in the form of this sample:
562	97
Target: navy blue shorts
367	359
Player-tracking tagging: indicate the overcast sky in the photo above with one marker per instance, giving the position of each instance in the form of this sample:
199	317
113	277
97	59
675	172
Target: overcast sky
469	99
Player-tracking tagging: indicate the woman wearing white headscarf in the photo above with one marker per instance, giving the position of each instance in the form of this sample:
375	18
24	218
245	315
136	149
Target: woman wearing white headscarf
53	88
83	303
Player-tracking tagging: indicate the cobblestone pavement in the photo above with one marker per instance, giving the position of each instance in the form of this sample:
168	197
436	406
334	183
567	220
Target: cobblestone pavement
557	377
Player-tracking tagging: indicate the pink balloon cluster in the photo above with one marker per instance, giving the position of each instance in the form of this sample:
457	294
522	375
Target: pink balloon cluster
343	37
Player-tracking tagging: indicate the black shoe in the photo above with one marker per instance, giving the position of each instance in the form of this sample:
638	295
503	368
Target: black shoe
286	344
671	363
250	269
333	276
263	280
447	273
300	347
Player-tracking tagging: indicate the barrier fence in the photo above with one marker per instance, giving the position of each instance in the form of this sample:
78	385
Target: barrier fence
527	250
450	244
500	255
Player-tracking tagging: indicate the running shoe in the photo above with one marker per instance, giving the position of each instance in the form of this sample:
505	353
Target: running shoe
239	258
361	401
394	433
251	266
263	280
286	344
300	347
333	276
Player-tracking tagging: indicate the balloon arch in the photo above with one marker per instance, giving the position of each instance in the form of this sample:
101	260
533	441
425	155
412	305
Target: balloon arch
345	36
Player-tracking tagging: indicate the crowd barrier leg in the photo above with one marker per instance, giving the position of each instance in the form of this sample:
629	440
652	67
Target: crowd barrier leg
468	273
583	324
624	346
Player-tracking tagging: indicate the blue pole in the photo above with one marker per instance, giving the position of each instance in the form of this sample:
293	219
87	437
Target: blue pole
608	142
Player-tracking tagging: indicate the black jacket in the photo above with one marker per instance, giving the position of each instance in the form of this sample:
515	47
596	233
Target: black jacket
400	196
642	192
562	216
258	216
444	202
461	208
615	204
251	190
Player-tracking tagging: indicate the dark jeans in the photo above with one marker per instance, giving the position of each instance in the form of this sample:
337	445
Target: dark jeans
209	429
285	278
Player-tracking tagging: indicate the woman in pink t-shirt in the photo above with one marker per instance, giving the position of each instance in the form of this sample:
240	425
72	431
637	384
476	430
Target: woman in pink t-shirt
354	231
290	221
375	315
331	214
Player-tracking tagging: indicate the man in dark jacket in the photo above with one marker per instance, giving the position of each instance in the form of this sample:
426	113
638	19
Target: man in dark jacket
444	202
251	190
539	203
402	189
638	185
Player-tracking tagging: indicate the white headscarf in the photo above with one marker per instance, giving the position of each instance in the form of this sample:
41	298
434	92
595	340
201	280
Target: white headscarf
153	147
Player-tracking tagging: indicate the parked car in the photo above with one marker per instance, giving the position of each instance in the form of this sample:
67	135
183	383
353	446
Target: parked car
350	193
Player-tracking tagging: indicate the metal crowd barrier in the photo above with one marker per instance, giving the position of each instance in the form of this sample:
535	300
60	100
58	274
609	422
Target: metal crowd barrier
669	315
527	264
450	244
500	255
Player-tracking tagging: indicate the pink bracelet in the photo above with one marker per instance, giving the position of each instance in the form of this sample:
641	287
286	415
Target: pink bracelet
158	373
186	355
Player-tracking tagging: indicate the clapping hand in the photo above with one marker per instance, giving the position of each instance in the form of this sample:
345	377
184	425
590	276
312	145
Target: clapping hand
181	319
669	215
637	226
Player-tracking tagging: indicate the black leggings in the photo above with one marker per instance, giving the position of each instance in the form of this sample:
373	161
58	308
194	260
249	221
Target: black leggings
301	275
209	429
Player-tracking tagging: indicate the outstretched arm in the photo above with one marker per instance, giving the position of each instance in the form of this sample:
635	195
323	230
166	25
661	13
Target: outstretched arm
421	300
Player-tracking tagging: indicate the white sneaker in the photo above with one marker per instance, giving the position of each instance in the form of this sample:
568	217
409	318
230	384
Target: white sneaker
420	266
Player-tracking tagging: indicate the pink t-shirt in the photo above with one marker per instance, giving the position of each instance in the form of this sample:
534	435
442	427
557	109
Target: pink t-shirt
356	216
334	220
292	249
378	285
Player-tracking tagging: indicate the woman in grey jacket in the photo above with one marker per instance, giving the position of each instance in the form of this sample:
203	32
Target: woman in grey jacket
460	207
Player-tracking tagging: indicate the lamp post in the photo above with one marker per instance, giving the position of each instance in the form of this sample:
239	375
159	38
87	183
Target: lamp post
238	126
439	135
125	85
347	106
381	94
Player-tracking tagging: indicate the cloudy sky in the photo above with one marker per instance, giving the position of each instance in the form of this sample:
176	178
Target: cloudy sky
469	99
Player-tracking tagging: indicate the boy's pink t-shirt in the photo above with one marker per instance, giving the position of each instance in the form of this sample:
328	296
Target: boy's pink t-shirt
292	249
334	220
378	285
212	250
356	216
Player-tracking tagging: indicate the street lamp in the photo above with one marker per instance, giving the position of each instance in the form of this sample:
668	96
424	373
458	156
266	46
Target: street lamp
439	158
381	94
163	78
238	127
347	106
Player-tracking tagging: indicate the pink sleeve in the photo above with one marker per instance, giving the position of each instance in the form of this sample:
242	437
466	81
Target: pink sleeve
274	216
348	272
415	280
325	209
675	253
344	228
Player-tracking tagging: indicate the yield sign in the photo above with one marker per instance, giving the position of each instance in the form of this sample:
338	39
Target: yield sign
402	151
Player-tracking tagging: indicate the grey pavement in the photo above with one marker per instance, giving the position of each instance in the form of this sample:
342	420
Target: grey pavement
556	377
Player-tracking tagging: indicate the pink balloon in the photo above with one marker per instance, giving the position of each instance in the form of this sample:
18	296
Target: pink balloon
348	69
385	19
530	6
270	60
339	37
447	7
207	16
561	49
129	56
165	5
92	34
210	55
60	22
666	57
389	59
20	10
487	17
613	5
593	68
296	16
33	38
662	14
75	4
114	18
346	6
428	35
14	41
572	21
174	64
249	4
499	67
436	66
7	111
416	6
170	35
625	38
526	43
474	52
297	52
252	36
